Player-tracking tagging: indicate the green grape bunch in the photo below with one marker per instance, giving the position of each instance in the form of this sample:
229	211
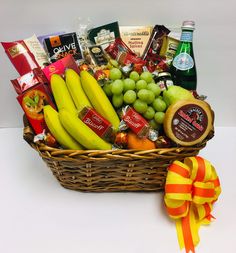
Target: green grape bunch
139	91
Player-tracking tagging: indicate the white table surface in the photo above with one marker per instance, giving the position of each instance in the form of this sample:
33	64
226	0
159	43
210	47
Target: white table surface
37	215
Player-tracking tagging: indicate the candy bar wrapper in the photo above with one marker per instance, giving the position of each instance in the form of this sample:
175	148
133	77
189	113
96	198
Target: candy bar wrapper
136	37
121	140
32	102
164	142
25	82
105	34
38	51
127	69
47	138
152	50
119	51
20	56
135	122
97	123
155	41
62	45
60	66
102	76
85	66
116	48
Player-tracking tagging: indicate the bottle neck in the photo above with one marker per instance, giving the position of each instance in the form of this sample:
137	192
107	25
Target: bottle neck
186	36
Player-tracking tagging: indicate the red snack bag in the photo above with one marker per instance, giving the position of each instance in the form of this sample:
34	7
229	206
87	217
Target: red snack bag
152	50
155	41
118	46
119	51
156	62
34	77
32	102
20	56
97	123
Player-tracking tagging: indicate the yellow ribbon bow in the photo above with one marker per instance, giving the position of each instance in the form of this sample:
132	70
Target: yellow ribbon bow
190	191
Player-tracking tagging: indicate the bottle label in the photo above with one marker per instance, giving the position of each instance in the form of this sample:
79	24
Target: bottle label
183	61
186	36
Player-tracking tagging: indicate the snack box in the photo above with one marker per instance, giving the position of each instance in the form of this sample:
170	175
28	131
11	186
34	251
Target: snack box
105	34
32	102
60	66
59	46
136	37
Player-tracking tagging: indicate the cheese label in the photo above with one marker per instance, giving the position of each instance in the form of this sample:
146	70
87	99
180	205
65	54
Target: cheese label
189	122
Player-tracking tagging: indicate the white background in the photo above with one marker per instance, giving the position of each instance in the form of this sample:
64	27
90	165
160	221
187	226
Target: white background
37	215
214	40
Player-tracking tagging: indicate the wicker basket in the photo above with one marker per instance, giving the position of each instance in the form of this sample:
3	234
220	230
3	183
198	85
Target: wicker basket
111	170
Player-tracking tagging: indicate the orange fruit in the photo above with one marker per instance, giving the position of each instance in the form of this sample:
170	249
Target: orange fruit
134	142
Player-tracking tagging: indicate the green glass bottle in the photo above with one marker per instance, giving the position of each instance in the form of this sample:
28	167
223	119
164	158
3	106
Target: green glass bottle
183	68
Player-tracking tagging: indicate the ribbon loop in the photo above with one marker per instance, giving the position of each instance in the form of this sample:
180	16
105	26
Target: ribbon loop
190	191
203	192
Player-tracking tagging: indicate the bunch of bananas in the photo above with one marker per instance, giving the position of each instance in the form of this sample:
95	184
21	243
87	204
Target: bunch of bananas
71	96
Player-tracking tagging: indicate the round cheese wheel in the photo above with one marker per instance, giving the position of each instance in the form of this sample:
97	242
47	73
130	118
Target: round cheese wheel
188	122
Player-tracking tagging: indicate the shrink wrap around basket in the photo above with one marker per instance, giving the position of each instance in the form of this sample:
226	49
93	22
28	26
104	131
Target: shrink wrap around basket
111	170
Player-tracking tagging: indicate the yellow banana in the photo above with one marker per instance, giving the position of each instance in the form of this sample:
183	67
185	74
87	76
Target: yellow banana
61	94
81	132
57	130
99	99
76	91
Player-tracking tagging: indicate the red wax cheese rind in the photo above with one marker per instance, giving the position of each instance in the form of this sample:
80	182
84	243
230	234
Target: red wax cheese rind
188	122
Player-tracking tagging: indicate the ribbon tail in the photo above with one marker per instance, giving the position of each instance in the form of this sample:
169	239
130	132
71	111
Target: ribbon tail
187	232
194	226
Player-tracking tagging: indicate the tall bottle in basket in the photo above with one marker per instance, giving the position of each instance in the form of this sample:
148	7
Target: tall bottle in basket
183	68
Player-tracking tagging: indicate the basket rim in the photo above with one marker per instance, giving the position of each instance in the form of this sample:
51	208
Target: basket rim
124	154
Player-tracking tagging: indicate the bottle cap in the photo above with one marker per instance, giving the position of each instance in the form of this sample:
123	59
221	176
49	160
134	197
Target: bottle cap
188	24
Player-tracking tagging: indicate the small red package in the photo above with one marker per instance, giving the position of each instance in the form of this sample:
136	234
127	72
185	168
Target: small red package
153	47
98	124
34	77
20	56
119	51
135	122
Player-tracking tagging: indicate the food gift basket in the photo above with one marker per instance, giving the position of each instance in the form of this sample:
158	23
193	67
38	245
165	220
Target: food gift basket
111	107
